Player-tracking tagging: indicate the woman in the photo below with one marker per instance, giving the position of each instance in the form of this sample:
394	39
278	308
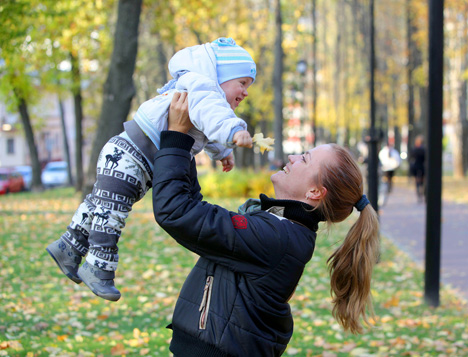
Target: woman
235	300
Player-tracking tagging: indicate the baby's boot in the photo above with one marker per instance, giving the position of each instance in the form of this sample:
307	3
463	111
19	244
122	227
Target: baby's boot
101	282
67	258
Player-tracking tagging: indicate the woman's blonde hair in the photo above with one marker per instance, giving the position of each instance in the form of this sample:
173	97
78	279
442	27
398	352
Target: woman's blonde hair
352	263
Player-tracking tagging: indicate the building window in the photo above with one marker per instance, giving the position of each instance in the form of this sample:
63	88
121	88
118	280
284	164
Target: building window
10	146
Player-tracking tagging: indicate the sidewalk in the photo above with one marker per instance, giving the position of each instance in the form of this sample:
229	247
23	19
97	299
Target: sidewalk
403	220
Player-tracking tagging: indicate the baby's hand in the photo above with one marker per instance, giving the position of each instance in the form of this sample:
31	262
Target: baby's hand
228	162
242	138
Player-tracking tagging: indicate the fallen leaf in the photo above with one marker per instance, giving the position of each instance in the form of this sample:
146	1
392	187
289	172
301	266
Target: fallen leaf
118	350
359	352
348	347
62	337
392	302
292	351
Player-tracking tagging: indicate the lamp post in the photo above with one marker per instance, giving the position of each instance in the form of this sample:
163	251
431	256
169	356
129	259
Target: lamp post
373	137
434	152
301	68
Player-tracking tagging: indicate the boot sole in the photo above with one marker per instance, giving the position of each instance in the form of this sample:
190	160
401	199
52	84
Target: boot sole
109	297
64	270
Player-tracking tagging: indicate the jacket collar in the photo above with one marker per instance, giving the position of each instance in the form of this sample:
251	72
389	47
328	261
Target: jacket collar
294	210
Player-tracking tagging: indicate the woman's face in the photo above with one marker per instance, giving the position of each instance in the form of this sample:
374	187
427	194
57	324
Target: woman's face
296	180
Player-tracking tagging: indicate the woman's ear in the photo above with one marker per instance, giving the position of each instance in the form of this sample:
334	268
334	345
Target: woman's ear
316	194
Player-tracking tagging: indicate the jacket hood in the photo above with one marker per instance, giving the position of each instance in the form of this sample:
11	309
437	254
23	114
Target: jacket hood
199	59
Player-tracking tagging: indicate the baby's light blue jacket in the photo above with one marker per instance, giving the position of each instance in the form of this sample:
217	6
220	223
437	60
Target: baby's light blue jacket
194	71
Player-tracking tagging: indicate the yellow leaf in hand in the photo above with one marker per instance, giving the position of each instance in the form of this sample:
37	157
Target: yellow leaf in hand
263	143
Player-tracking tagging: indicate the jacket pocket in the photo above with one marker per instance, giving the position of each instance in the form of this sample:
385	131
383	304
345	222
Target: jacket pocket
205	303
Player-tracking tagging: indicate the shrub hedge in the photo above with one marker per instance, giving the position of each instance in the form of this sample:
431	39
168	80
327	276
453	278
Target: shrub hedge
247	183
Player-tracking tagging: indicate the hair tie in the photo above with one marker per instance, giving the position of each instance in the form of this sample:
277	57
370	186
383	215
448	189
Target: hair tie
362	203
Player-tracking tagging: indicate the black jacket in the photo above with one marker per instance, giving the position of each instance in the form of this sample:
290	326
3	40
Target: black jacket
235	300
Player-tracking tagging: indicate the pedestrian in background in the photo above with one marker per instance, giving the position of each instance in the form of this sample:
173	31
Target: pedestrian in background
417	166
390	160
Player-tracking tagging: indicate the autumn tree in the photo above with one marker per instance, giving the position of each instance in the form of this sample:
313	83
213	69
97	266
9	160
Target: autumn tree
278	82
171	26
17	72
119	88
79	40
457	63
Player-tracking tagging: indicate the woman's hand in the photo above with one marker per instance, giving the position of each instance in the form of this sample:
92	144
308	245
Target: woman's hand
178	118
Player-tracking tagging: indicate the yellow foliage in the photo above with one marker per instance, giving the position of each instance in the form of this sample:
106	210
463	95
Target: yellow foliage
237	183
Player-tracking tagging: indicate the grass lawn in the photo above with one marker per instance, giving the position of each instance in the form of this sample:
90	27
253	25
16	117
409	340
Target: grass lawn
455	190
42	313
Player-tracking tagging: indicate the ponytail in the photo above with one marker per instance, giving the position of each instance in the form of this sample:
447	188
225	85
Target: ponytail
351	265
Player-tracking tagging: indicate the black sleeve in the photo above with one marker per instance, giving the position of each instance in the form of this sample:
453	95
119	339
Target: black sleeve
175	139
209	230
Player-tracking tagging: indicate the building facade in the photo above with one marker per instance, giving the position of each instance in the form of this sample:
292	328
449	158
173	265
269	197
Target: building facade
48	131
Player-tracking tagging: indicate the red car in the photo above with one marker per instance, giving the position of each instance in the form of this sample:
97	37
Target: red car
10	181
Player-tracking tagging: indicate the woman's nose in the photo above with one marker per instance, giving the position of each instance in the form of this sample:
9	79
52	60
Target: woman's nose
292	158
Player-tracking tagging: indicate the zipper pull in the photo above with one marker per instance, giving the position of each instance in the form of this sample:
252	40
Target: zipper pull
205	303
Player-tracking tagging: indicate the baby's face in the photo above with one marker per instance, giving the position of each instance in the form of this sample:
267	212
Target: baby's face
236	90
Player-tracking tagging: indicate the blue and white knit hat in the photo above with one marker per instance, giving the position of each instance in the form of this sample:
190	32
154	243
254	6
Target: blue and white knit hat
232	61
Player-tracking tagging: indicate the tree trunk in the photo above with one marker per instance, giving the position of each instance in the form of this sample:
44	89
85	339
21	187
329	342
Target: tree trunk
362	18
421	125
36	184
78	108
464	99
409	71
455	94
119	88
347	70
314	71
244	157
66	147
326	85
464	116
264	156
278	84
338	72
162	62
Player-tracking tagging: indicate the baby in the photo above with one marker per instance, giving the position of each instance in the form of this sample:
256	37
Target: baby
216	76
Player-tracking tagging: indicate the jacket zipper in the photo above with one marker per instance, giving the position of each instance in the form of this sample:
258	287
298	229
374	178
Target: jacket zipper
205	303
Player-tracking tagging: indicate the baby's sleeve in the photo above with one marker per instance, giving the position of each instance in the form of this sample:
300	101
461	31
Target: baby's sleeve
216	151
208	109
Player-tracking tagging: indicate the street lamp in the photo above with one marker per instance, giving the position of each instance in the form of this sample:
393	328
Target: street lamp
301	68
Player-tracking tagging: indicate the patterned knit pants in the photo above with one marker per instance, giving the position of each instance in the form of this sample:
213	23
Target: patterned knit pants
123	178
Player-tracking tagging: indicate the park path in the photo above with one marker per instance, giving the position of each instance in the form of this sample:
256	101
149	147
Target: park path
403	219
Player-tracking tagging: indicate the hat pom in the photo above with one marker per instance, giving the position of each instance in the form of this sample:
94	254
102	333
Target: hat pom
225	41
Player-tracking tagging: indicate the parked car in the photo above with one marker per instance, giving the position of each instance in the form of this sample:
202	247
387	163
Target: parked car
10	181
26	172
55	174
